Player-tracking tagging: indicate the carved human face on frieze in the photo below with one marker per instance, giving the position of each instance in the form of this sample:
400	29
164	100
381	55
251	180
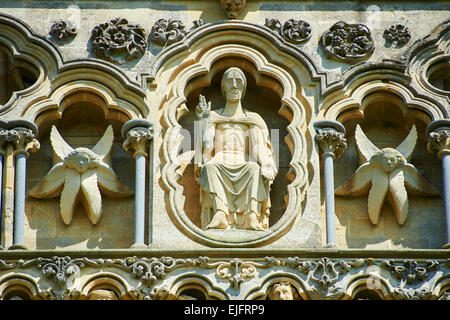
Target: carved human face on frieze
282	291
233	84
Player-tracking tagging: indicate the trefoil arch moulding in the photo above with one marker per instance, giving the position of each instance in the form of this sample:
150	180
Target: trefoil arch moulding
199	60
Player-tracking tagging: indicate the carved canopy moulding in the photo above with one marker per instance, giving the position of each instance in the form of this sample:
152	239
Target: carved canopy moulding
179	81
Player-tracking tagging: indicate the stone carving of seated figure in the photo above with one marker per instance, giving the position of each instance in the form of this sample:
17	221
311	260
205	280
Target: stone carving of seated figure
234	161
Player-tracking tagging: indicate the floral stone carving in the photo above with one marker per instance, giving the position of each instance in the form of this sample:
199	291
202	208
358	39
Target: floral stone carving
294	31
386	173
118	41
63	30
348	42
166	32
81	172
397	34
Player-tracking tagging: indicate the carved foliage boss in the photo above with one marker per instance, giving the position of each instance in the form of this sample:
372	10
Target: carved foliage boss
118	41
294	31
348	42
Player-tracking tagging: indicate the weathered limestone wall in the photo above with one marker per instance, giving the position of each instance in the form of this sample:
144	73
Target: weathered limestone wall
385	124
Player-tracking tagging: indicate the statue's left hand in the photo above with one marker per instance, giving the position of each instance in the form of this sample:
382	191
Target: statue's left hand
268	171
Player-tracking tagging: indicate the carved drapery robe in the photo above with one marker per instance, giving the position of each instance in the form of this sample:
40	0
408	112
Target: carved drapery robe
230	177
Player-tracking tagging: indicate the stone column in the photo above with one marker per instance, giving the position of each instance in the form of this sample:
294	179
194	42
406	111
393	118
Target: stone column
23	136
138	134
3	136
331	141
438	133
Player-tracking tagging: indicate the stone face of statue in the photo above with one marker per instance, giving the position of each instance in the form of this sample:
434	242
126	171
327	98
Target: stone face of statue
233	84
237	165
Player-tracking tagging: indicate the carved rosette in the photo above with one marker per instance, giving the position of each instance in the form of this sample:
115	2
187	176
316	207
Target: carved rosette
63	31
293	31
331	142
397	34
348	42
439	142
233	7
118	41
166	32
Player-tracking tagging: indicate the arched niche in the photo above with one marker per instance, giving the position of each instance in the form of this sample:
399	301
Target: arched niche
288	282
27	60
386	118
193	287
106	286
367	287
18	287
263	97
184	77
16	75
81	116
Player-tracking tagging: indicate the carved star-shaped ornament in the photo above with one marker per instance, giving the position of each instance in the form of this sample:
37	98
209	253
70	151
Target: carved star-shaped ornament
386	173
81	175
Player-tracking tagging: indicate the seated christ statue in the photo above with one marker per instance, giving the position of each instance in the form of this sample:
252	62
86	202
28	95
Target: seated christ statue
235	165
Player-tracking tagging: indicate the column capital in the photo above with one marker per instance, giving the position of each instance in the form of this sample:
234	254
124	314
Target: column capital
330	135
137	134
3	141
438	133
22	134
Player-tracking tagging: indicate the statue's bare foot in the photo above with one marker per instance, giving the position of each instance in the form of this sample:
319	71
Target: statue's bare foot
253	223
219	221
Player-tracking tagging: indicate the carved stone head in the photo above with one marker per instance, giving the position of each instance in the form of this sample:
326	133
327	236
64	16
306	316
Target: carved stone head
283	291
389	159
233	84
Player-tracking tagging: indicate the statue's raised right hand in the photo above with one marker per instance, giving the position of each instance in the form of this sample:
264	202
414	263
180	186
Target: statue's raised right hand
203	108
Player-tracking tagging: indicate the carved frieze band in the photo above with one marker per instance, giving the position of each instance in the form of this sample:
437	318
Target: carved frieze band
118	41
321	278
